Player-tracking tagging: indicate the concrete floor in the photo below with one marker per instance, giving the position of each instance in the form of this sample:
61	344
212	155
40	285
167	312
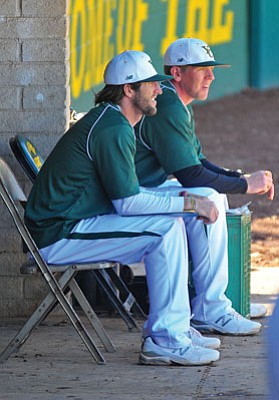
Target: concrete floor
54	364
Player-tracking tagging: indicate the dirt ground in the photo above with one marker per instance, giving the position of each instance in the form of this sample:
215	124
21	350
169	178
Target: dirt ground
240	131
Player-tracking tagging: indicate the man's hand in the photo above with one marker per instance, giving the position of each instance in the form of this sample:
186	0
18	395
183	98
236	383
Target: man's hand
205	208
260	182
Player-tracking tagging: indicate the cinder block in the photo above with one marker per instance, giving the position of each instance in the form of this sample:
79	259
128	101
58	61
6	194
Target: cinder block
11	262
12	287
33	121
38	97
10	240
9	8
45	28
28	73
44	50
45	8
31	28
34	287
9	50
17	307
10	98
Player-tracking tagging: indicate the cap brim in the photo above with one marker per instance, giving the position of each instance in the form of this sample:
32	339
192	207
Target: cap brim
210	64
157	78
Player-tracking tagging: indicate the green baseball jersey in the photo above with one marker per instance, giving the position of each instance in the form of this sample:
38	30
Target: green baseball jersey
92	164
167	141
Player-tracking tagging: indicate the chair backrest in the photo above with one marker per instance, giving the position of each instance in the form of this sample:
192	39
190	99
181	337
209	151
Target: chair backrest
11	192
27	155
9	182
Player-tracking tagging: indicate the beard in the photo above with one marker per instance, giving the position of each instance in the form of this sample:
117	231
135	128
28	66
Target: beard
143	105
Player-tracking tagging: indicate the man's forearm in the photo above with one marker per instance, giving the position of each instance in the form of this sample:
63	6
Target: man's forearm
199	176
220	170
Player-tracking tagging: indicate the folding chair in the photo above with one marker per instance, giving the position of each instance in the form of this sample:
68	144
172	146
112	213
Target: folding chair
11	193
31	161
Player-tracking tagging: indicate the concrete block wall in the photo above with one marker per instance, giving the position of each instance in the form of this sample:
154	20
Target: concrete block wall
34	101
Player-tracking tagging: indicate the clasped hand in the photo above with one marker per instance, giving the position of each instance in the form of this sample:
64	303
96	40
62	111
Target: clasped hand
261	182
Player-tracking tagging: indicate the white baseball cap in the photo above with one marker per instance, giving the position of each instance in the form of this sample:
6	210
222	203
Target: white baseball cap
189	51
132	66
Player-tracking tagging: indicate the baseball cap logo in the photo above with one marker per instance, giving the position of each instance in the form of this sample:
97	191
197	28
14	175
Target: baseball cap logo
129	77
208	51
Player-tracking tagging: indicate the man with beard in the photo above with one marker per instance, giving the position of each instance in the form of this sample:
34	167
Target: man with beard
86	206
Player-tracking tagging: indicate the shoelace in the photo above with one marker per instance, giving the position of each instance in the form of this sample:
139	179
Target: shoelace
194	332
236	315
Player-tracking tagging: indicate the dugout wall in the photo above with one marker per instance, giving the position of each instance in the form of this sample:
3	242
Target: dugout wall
240	32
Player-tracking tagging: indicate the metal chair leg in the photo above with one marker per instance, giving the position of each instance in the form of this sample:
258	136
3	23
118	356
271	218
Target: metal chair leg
101	277
41	313
91	316
130	303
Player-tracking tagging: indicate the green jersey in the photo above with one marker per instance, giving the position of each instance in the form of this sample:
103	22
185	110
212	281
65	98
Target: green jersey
166	142
83	174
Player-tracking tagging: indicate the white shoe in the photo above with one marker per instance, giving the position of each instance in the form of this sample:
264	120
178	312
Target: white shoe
197	339
257	310
202	341
228	324
152	354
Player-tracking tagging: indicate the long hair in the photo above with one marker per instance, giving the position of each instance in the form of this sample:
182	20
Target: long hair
114	93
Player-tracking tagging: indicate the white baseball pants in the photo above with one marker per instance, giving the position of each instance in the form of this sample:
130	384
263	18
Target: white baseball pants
159	241
208	247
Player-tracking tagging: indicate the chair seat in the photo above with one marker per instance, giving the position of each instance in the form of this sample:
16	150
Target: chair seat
30	267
